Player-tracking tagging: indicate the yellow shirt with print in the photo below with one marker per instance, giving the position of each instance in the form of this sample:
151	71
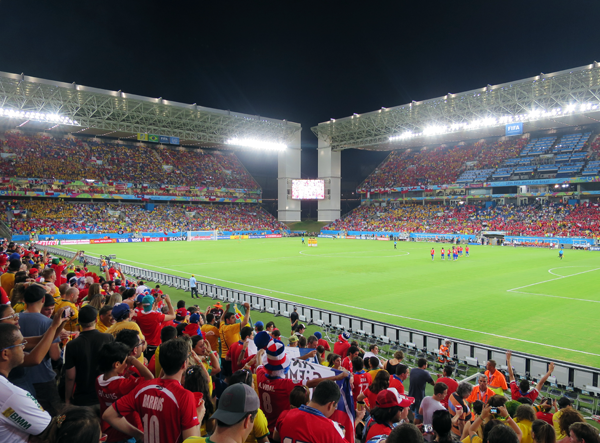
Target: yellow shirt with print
118	327
229	335
72	324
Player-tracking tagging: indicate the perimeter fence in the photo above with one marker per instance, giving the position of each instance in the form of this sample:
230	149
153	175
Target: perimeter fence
579	382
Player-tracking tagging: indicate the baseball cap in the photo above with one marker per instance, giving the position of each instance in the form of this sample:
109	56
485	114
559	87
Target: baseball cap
34	271
55	261
147	303
388	398
87	314
301	326
15	256
318	334
34	293
3	259
49	301
195	318
120	311
293	339
235	403
182	312
259	324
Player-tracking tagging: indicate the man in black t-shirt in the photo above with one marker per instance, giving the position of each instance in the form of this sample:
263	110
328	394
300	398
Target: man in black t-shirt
81	360
294	319
419	377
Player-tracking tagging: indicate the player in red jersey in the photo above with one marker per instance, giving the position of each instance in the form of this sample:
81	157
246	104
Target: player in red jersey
467	250
311	423
114	382
169	413
442	253
273	388
432	253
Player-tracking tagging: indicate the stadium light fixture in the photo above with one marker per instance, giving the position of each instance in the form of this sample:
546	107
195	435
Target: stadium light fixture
488	122
256	144
38	116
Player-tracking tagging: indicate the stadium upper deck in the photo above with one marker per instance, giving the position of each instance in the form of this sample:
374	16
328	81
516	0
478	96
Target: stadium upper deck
93	163
524	158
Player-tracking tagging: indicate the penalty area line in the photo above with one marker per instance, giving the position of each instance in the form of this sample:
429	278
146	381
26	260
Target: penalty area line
377	312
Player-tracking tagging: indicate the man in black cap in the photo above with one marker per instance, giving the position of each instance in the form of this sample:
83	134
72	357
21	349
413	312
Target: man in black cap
41	378
238	406
81	360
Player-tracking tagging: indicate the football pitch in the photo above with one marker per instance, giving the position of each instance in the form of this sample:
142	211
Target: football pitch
524	299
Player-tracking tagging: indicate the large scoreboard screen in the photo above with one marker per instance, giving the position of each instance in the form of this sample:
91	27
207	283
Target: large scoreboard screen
308	189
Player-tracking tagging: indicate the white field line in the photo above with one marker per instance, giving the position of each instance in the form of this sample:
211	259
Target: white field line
375	312
560	277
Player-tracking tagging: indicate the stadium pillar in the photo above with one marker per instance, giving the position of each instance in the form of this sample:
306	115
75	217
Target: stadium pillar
288	166
330	170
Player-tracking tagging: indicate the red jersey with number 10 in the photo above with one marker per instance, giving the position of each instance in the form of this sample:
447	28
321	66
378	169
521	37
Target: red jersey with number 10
166	409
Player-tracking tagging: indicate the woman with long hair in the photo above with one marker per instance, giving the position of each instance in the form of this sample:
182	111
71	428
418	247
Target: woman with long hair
542	432
381	382
77	424
114	299
335	361
197	380
524	417
393	363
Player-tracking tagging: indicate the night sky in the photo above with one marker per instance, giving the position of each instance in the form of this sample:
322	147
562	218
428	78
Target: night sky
303	61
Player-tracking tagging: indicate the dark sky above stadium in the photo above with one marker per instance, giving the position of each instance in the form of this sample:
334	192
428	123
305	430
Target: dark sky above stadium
302	61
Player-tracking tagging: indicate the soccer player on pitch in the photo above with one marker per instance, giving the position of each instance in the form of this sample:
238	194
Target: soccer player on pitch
442	253
432	253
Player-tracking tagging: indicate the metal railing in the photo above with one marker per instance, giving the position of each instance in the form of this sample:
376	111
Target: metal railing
413	342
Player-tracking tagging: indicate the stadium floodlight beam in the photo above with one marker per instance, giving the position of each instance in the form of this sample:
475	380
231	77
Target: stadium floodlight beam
488	122
256	144
38	116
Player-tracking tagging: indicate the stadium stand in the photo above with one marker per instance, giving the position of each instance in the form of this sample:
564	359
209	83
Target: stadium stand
522	159
60	217
539	220
71	158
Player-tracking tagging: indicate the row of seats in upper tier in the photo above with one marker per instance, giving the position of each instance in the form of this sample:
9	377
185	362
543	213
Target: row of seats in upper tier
38	155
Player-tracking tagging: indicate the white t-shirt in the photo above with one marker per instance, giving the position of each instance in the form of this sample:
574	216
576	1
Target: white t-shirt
141	289
20	414
429	406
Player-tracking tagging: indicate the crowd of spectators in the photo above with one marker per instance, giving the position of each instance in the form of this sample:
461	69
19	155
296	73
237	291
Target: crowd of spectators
536	220
72	158
60	217
439	165
87	357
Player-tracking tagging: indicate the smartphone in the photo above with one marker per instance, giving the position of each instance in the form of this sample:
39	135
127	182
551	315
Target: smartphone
66	313
494	410
427	429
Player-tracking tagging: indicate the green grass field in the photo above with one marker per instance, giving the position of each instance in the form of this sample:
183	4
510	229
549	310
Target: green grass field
524	299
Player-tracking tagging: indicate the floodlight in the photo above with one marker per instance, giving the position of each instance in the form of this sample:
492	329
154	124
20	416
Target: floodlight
256	144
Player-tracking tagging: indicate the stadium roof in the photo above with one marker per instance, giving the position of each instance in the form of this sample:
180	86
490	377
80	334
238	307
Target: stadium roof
69	107
547	101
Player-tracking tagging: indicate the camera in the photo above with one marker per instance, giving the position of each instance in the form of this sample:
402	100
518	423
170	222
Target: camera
494	410
427	429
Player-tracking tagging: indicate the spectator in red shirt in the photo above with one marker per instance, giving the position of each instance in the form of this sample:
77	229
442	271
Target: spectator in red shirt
341	346
347	361
237	351
448	381
114	382
522	390
150	322
323	343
